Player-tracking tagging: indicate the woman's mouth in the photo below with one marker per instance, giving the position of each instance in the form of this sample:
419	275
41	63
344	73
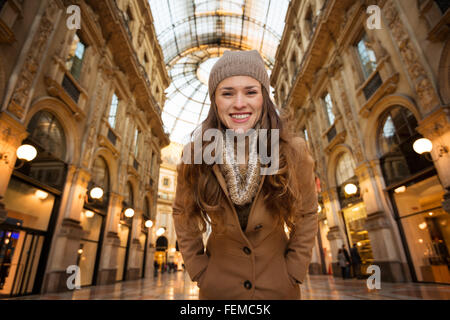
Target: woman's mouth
240	117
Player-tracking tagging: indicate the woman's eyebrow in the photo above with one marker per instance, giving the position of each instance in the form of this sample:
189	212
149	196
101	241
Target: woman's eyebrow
232	88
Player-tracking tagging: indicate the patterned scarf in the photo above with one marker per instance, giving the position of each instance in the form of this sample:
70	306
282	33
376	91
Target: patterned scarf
242	182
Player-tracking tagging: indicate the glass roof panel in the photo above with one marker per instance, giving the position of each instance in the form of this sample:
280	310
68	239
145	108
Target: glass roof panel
194	33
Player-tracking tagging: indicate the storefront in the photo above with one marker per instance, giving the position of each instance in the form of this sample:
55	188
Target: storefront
353	212
32	201
416	194
93	222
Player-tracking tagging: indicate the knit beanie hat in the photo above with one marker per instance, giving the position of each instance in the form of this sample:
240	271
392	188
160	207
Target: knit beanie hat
238	63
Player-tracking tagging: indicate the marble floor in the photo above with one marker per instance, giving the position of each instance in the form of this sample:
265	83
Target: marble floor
170	286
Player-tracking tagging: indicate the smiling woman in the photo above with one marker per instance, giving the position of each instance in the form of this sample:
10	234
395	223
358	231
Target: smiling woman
248	248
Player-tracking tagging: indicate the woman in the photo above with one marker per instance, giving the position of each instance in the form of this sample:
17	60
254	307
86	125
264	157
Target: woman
248	254
343	263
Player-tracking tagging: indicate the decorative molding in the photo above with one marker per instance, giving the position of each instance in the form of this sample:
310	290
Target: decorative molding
56	90
426	92
30	67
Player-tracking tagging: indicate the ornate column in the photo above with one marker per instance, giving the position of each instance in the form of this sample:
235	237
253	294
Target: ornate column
12	134
315	267
134	266
69	234
385	246
416	67
335	234
25	74
108	262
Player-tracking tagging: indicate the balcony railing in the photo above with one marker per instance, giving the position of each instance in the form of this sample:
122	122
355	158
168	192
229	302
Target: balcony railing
71	88
372	86
112	136
331	133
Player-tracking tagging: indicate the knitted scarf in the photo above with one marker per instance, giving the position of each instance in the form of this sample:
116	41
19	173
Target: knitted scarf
242	183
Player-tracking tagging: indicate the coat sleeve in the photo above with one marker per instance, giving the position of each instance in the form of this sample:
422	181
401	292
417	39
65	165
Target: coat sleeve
302	238
189	237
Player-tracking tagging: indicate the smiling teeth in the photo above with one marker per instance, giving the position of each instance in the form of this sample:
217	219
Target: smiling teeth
240	116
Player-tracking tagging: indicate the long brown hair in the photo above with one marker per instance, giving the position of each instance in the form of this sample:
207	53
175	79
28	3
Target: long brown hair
202	193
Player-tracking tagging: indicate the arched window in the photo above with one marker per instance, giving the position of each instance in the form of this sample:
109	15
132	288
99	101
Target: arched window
129	197
396	135
100	178
345	168
46	131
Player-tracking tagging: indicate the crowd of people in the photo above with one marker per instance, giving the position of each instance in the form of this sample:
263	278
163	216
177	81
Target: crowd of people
350	263
164	267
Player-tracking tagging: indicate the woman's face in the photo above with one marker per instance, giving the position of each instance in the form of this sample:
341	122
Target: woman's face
239	102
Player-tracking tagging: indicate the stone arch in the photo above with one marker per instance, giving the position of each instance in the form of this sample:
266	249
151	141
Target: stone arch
65	118
137	197
112	165
371	129
333	160
444	74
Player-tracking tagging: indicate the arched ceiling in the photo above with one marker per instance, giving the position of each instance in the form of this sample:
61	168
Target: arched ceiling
194	33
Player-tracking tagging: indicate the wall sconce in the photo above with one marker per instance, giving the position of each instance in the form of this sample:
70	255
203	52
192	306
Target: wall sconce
148	224
129	212
424	145
350	189
96	193
160	231
24	153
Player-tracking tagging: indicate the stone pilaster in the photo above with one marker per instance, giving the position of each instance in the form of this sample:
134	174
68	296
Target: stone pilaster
334	236
12	134
383	248
108	263
436	128
380	228
34	50
65	254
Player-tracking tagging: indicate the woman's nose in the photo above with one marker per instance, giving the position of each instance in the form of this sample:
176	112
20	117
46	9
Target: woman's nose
240	101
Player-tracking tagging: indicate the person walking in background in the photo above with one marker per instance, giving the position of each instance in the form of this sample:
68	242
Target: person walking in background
343	263
356	261
347	258
155	268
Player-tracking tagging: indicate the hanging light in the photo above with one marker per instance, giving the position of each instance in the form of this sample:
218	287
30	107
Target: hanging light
26	152
89	213
80	251
96	193
148	223
350	189
160	231
129	212
423	225
400	189
319	209
422	145
40	194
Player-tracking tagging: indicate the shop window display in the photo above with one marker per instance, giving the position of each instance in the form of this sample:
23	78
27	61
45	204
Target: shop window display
427	229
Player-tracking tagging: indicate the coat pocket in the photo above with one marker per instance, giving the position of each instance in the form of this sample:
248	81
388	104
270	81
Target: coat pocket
287	275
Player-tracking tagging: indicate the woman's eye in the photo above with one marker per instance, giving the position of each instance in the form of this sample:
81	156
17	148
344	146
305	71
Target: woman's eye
252	92
226	94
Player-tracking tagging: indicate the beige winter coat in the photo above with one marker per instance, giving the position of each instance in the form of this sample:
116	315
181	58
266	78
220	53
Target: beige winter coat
260	263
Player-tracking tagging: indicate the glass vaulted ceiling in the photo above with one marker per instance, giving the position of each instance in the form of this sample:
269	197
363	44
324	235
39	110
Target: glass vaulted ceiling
193	34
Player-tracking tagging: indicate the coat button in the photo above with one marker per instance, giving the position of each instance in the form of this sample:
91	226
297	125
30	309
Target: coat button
247	250
259	226
247	285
